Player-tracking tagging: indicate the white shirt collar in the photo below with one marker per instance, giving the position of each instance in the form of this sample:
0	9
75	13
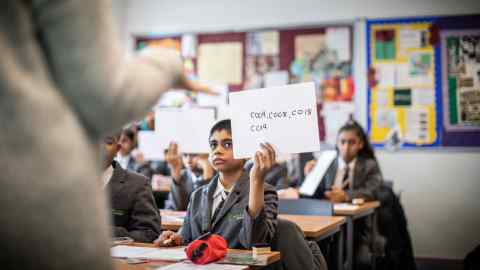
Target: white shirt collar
194	178
220	188
107	175
342	163
122	160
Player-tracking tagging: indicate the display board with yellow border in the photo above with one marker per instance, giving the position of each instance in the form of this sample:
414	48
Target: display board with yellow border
403	96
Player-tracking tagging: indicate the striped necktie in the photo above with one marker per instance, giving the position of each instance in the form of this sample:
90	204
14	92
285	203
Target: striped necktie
224	195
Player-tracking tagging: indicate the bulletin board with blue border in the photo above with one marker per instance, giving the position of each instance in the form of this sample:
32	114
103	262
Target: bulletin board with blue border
404	90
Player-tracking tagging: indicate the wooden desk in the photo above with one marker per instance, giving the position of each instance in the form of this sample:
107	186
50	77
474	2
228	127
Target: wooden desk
265	260
362	209
315	227
172	220
365	210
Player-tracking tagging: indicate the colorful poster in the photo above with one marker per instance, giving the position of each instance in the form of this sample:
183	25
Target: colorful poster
325	58
403	99
461	80
256	67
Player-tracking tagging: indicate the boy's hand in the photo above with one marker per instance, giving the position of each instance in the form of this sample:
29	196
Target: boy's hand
336	195
263	162
168	239
204	164
174	160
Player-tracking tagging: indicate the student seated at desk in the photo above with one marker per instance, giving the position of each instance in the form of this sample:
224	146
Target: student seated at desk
237	205
134	212
127	158
353	174
196	173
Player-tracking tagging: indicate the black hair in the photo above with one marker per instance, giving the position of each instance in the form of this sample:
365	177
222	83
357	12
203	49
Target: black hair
129	133
367	150
221	125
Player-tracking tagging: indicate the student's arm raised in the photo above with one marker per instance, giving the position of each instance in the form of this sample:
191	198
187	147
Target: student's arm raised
263	162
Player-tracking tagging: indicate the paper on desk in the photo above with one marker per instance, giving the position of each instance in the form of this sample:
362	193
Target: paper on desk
211	266
132	252
345	206
314	178
167	218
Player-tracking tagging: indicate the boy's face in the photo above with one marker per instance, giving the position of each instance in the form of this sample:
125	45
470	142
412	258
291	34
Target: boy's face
110	149
190	161
126	145
349	144
221	152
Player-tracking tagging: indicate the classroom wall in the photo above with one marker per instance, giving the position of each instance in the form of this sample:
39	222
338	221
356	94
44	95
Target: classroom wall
438	187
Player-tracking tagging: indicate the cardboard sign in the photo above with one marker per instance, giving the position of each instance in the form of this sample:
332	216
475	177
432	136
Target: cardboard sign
284	116
189	128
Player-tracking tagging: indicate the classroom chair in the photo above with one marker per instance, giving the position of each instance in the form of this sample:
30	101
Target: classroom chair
303	206
295	250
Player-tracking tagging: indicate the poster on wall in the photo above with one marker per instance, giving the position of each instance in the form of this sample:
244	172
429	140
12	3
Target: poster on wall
461	80
403	99
325	58
262	60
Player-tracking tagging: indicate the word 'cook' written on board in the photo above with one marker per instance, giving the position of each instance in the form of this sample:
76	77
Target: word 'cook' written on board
284	116
307	112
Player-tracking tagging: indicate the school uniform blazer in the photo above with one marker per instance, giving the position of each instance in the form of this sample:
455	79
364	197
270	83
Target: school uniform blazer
179	195
134	211
367	178
233	222
143	169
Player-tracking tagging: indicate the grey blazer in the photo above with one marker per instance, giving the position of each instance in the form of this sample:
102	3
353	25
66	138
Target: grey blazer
64	84
367	178
134	211
143	169
180	193
233	223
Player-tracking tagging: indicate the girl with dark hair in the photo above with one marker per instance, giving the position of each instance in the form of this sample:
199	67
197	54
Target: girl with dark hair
355	173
